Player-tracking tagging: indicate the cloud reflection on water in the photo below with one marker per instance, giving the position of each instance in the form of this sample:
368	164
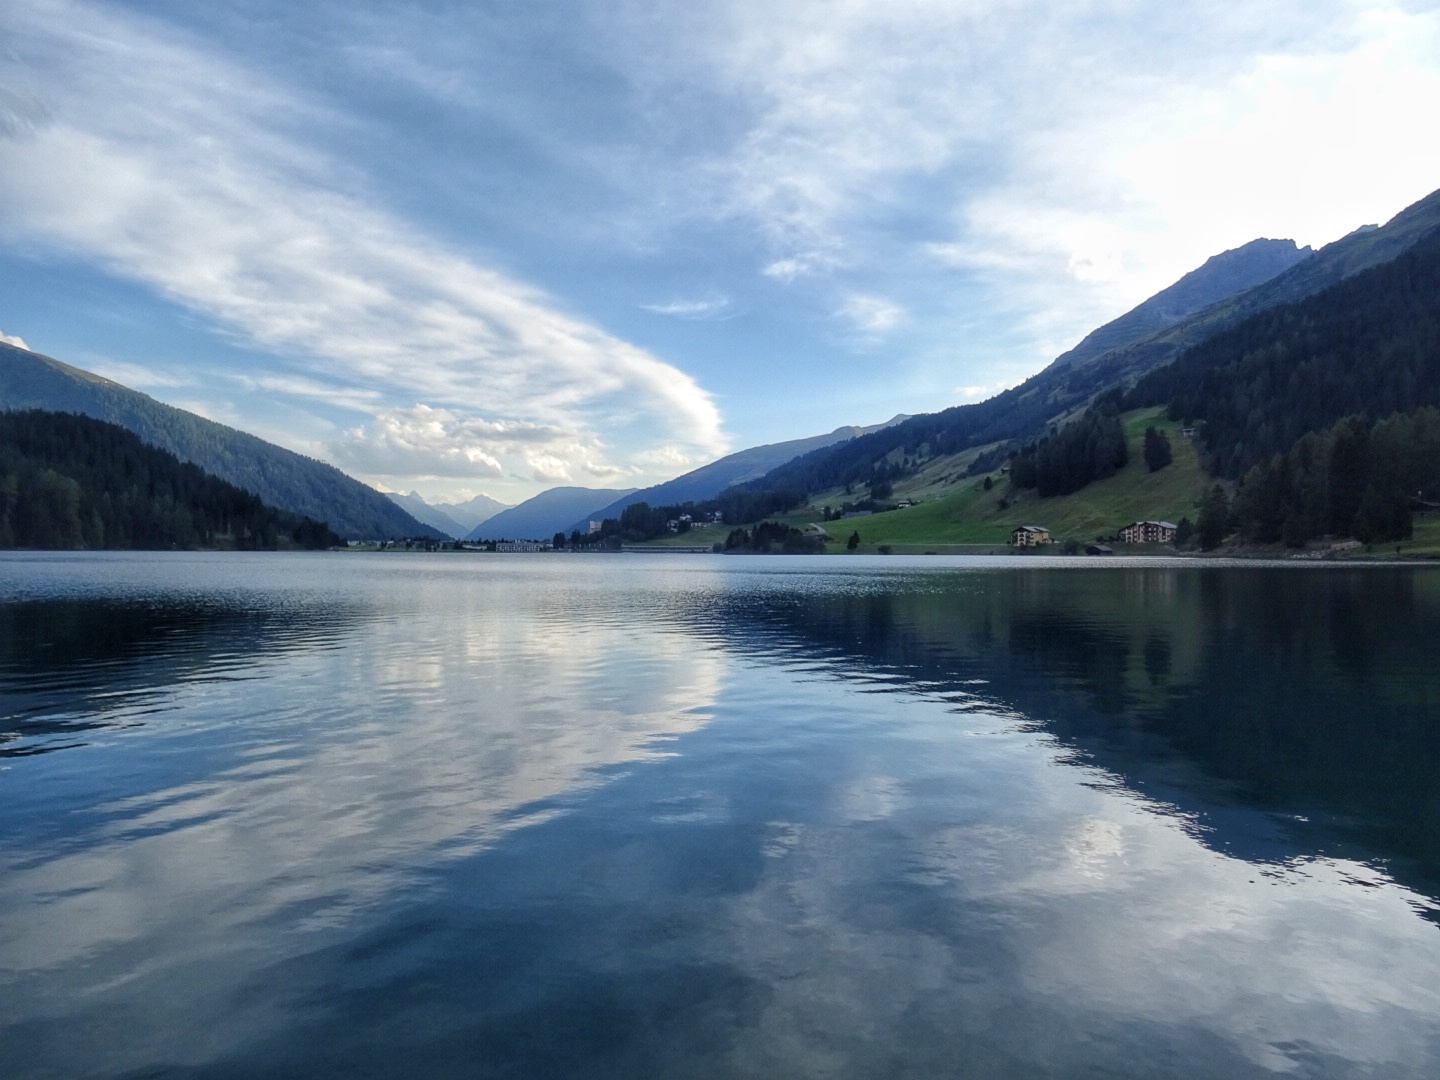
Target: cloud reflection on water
779	820
312	787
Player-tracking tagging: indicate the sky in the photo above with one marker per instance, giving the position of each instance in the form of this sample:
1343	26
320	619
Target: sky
500	246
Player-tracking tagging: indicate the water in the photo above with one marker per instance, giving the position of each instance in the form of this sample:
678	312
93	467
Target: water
682	816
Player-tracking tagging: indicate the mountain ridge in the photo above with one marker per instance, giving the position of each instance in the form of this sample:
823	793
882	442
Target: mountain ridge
541	517
280	477
1061	389
708	481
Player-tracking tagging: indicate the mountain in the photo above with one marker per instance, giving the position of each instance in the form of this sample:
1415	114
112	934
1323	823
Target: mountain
472	512
1221	276
1117	355
433	516
282	478
73	482
540	518
745	465
455	520
1352	254
1368	345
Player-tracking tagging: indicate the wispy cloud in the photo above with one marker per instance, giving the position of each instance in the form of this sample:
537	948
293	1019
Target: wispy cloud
713	307
9	339
176	170
872	315
1075	156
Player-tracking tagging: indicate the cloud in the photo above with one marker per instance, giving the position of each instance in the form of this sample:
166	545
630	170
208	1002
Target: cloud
432	443
185	172
972	392
17	342
1064	160
667	457
872	315
709	308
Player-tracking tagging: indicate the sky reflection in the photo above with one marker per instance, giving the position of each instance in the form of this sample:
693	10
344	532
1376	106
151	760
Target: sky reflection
717	817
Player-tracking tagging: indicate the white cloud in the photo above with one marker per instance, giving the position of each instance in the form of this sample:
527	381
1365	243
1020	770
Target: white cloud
872	315
548	469
178	172
431	443
970	393
668	458
9	339
709	308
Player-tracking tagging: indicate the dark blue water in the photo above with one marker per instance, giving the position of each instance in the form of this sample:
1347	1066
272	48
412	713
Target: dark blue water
683	816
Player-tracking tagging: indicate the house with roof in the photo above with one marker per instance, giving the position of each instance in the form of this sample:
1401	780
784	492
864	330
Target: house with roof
1029	536
1148	532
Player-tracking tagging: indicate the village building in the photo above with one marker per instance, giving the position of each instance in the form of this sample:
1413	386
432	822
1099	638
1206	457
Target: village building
1148	532
1029	536
521	545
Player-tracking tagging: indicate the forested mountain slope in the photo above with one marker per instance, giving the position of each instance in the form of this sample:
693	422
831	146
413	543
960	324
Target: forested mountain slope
1369	346
280	477
1074	380
69	481
708	481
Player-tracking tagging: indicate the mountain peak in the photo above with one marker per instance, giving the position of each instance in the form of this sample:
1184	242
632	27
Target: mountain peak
1220	276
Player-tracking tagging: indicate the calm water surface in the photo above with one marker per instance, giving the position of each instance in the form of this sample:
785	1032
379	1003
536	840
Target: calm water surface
574	816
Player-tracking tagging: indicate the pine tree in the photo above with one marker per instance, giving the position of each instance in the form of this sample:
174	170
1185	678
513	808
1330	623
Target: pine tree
1157	449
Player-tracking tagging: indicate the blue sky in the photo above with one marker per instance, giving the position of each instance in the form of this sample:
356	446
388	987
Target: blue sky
500	246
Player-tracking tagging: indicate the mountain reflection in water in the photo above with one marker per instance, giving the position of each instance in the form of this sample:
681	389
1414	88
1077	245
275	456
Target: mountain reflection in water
1313	693
513	816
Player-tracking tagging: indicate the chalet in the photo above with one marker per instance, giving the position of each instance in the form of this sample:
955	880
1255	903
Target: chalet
1029	536
1099	549
1148	532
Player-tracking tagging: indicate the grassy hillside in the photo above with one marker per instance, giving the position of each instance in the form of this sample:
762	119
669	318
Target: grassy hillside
954	515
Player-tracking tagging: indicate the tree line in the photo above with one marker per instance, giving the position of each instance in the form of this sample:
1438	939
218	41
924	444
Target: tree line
1352	479
1092	448
71	482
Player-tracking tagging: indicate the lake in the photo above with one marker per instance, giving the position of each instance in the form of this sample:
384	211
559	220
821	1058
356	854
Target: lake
700	816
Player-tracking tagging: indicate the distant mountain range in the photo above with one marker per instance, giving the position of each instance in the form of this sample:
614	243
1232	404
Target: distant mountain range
455	520
566	509
282	478
540	518
709	480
